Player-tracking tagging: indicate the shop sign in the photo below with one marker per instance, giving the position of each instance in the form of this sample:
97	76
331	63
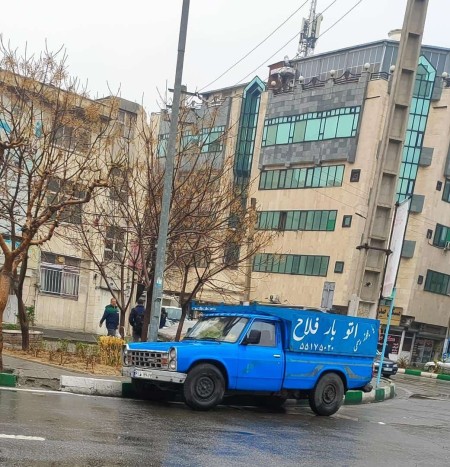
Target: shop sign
383	313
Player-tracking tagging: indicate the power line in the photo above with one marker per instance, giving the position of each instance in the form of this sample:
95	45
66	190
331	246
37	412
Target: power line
292	38
257	46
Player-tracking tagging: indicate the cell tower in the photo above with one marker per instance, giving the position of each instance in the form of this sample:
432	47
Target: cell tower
309	32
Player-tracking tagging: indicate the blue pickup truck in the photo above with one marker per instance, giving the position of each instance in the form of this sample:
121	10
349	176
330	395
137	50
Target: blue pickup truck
271	353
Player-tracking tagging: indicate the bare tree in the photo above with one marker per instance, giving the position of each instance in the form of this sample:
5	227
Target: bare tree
210	219
55	156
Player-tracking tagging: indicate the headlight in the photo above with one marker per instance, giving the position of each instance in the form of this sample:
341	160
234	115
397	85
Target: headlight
173	365
172	353
125	357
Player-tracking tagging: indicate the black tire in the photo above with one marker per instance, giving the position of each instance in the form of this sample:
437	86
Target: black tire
271	402
328	395
147	391
204	387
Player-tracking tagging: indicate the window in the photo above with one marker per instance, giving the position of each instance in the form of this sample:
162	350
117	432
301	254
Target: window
347	221
415	130
446	193
126	122
77	139
63	190
354	175
297	220
441	236
114	243
317	126
119	188
162	145
60	275
268	333
231	256
339	267
311	177
437	282
303	265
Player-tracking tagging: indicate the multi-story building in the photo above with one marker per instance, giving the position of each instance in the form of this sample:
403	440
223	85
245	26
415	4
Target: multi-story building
309	142
63	285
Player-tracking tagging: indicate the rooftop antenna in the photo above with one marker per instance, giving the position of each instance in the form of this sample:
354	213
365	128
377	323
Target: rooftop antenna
309	32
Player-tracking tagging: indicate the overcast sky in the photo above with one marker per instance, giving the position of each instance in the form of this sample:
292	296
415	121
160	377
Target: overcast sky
132	45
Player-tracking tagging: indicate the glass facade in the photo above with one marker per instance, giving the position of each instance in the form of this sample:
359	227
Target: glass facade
418	115
247	132
441	236
446	193
297	220
316	126
311	177
303	265
437	282
207	140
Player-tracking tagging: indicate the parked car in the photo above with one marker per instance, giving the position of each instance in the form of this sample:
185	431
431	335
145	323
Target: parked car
441	365
389	368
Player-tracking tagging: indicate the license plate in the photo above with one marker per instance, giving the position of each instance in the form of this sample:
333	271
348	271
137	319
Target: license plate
143	374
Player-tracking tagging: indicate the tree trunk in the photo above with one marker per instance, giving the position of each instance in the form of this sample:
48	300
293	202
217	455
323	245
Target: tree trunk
122	323
5	285
18	282
184	310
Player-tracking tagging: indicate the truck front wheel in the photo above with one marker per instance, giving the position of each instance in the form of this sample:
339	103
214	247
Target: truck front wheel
328	395
204	387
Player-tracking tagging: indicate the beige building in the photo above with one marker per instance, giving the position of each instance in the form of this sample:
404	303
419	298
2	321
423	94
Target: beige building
308	143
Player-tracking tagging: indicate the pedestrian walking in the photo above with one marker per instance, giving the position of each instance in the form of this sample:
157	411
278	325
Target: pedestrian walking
111	316
136	320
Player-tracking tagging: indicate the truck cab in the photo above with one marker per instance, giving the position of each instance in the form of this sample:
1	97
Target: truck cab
252	350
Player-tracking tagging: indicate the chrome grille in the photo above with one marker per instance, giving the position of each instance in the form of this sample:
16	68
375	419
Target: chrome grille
147	359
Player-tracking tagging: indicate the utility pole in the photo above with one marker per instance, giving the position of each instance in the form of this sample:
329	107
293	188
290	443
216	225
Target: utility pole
160	265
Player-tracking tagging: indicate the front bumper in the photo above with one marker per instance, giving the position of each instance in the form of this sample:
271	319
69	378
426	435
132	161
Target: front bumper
154	375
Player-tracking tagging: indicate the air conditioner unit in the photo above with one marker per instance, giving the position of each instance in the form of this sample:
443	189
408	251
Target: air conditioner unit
447	246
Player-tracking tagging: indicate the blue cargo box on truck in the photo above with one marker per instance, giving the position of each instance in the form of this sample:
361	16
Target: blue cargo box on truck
270	351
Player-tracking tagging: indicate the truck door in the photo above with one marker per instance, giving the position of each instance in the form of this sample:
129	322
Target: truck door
261	366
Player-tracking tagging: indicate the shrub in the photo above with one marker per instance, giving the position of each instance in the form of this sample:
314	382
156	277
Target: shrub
110	349
402	362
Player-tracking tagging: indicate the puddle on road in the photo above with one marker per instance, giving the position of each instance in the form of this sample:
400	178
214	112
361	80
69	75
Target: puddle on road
436	397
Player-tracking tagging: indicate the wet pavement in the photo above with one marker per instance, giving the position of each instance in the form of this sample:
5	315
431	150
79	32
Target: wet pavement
96	431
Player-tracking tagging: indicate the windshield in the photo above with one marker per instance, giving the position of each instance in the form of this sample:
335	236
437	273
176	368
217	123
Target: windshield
173	313
218	328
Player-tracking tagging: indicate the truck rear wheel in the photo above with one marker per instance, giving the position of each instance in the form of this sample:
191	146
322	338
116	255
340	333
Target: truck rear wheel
327	396
204	387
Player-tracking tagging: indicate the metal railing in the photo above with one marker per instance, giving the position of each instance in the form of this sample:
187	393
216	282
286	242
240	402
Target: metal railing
60	280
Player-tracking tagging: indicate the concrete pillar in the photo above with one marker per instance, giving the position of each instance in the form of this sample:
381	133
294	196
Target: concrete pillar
382	201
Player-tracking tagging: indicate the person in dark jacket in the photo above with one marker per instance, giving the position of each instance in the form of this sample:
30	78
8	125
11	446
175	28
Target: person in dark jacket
111	316
136	320
163	318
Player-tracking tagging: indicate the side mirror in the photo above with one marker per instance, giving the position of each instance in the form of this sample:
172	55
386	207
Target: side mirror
253	337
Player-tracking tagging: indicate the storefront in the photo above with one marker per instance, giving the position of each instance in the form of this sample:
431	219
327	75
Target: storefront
428	344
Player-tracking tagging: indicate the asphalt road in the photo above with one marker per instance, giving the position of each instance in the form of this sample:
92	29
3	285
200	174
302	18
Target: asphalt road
411	430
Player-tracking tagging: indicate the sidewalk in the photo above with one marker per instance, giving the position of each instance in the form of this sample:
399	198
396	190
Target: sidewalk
39	375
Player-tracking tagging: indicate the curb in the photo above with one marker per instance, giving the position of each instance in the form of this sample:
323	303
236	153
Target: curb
424	374
91	386
376	395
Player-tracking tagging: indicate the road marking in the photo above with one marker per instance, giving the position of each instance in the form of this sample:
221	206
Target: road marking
381	423
30	438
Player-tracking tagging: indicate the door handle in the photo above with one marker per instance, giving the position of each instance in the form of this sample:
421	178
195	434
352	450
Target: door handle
276	355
